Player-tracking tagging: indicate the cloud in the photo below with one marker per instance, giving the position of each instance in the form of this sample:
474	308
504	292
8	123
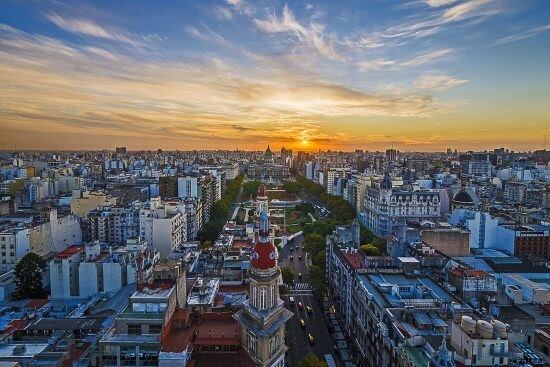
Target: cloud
311	35
56	86
438	3
88	28
428	57
241	6
207	35
533	32
437	82
425	58
374	64
223	13
438	20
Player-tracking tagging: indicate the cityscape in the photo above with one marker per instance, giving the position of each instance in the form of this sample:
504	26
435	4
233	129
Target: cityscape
244	183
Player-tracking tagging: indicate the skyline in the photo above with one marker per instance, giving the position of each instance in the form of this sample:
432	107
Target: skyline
416	75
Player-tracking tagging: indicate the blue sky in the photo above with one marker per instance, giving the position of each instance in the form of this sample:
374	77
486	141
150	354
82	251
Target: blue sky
416	74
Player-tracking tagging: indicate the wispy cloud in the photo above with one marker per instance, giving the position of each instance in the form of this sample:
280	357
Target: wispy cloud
438	3
374	65
223	13
438	20
428	57
437	82
533	32
311	35
89	28
207	35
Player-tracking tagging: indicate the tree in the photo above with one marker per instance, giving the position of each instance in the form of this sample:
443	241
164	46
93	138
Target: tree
305	208
370	250
28	277
205	245
318	279
288	274
311	360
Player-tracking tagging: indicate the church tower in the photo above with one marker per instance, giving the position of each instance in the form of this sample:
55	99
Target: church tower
263	316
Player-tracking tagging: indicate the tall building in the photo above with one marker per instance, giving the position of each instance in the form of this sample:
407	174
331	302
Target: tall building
391	155
263	316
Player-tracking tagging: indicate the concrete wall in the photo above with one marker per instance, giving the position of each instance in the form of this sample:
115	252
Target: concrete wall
449	242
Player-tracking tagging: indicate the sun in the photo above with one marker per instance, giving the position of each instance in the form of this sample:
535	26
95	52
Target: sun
304	141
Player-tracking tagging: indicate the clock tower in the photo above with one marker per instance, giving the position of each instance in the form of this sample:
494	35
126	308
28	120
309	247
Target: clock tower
263	316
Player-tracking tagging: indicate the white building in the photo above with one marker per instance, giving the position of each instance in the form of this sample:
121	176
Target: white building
333	174
386	206
189	187
480	343
69	183
485	230
164	227
82	272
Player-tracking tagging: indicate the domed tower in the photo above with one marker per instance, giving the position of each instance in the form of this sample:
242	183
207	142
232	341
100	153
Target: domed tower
263	315
462	199
262	202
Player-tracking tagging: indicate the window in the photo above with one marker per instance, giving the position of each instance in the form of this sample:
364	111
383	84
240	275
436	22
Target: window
254	295
134	328
272	296
263	298
155	328
252	342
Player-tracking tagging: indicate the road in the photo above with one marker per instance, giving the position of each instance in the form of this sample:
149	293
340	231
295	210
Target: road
297	337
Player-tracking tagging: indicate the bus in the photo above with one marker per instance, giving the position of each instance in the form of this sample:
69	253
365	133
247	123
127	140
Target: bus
330	360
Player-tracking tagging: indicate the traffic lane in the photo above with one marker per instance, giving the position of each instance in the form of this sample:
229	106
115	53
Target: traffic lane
299	344
314	326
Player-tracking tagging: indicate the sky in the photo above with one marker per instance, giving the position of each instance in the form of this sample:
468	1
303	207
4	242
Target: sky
416	75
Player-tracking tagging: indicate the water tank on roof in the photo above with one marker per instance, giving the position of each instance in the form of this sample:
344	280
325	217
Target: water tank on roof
500	328
485	329
468	324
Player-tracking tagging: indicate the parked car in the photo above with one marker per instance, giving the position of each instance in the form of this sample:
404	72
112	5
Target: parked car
300	305
291	301
311	339
302	323
309	309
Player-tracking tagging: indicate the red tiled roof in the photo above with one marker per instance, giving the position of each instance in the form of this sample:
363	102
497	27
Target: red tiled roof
469	273
213	328
15	325
36	303
70	251
355	260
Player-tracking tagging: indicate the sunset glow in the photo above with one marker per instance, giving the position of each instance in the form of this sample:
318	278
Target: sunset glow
416	75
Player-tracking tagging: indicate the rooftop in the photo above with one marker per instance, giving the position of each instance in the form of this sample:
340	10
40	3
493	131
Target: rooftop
70	251
212	328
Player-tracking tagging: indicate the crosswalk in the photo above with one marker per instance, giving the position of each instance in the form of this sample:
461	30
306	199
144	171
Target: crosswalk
301	286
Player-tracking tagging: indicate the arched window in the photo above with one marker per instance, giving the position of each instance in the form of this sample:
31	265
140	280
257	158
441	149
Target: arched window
272	299
263	298
254	295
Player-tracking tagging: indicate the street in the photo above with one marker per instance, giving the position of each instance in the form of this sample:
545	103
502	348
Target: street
297	337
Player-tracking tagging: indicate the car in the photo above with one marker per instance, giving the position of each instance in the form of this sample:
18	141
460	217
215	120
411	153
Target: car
291	257
300	257
309	309
302	323
291	301
311	339
300	275
300	305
